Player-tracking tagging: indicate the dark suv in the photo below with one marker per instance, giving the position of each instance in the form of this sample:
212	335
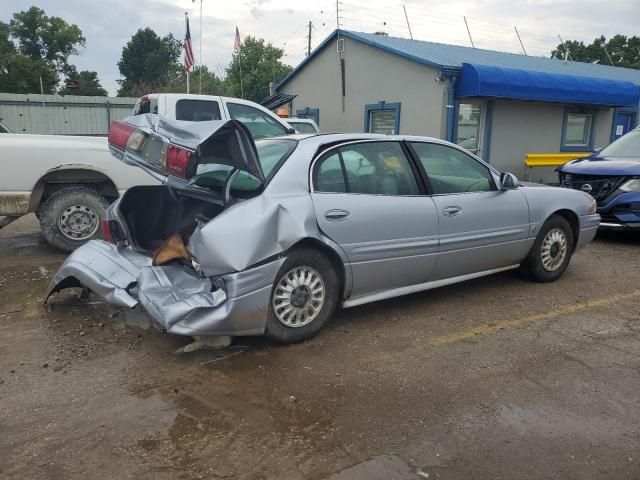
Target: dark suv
612	177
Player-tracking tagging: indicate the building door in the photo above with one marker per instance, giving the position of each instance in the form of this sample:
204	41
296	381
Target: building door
470	126
624	121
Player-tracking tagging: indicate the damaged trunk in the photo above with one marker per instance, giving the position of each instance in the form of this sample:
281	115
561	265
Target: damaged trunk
152	214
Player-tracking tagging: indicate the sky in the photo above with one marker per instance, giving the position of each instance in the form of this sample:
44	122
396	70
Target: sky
109	24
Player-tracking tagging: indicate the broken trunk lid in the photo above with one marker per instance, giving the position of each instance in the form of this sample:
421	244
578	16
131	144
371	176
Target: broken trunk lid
173	148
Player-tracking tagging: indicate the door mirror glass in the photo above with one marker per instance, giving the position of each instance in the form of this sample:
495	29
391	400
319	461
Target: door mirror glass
508	181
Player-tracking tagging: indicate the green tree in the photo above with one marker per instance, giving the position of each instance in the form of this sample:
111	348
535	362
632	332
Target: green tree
211	83
88	84
20	73
260	64
624	51
41	37
148	62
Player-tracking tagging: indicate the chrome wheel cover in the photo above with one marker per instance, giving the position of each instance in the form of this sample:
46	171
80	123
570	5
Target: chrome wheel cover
78	222
553	250
298	297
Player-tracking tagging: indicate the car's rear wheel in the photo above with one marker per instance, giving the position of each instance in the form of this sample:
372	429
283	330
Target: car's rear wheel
71	217
551	252
303	298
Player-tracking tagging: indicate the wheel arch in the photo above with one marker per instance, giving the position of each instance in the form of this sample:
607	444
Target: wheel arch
573	219
332	255
69	176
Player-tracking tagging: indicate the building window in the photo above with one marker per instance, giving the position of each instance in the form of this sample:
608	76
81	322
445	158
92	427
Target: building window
312	113
382	117
578	131
468	127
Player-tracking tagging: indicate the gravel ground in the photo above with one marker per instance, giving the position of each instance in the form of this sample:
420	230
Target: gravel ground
495	378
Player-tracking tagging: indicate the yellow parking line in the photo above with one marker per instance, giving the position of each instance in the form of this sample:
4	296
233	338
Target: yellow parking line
515	322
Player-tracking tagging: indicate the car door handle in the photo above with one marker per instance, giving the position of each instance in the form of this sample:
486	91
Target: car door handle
336	215
451	210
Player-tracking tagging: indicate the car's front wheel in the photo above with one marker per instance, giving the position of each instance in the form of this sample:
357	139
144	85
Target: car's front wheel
551	252
303	298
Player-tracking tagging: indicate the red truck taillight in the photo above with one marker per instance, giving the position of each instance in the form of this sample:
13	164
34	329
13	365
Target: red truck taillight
119	134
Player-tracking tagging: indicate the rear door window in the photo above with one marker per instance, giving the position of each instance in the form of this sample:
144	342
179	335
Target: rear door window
197	110
374	168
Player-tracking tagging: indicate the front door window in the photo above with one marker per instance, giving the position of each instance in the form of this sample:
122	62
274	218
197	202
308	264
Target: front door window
469	123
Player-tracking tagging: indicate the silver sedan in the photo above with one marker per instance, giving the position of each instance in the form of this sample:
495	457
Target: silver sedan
270	237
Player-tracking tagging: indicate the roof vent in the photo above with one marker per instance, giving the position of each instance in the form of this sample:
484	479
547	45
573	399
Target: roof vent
340	45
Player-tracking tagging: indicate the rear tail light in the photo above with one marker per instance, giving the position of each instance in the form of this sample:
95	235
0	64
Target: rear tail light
111	231
106	231
119	134
178	161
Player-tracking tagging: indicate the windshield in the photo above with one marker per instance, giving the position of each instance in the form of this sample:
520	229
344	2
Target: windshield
303	127
627	146
271	153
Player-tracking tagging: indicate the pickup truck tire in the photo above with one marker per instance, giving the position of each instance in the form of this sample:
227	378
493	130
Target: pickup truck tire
72	216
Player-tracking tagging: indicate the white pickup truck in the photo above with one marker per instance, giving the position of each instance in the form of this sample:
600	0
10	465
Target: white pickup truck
69	181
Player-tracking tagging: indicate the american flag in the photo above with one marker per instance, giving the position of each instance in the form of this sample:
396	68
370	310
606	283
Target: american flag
237	43
188	51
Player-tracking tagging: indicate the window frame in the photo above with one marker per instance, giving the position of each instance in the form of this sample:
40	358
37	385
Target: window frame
382	105
493	173
185	101
276	122
423	189
308	112
578	111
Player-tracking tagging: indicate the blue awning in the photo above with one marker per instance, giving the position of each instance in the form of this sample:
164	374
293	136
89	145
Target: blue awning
499	82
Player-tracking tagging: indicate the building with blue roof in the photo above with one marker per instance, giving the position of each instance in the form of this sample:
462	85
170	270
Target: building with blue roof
501	106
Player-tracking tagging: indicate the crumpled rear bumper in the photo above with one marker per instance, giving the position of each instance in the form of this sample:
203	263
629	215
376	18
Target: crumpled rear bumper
177	300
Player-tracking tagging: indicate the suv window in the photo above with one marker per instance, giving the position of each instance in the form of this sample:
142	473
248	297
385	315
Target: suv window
197	110
259	123
451	170
376	168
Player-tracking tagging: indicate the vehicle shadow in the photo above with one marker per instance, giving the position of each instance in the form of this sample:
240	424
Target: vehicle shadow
621	238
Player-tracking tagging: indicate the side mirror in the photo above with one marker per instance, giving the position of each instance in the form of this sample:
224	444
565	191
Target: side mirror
597	150
290	131
508	181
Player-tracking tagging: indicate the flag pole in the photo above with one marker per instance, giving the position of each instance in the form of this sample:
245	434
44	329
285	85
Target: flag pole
200	73
186	24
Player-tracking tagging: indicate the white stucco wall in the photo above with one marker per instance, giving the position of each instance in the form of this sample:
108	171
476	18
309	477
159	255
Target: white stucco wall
526	127
371	75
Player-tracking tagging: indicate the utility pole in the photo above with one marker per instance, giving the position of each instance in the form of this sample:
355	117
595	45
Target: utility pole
469	32
608	56
407	18
567	54
309	39
520	40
